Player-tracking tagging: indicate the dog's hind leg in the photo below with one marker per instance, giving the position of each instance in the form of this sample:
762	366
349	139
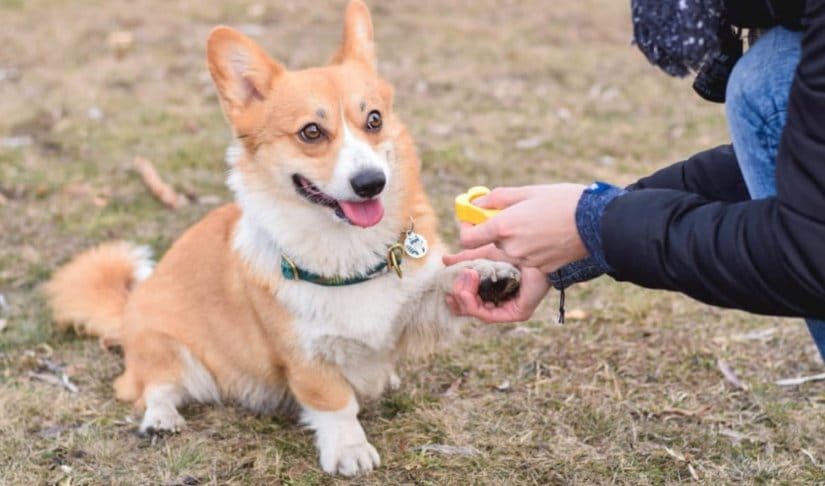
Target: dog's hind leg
154	379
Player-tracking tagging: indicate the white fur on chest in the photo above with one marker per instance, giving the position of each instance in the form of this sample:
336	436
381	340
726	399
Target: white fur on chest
366	313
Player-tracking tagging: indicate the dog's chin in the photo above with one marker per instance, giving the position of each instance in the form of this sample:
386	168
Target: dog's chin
361	213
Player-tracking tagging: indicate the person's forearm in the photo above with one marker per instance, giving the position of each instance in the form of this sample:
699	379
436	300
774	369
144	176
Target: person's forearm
757	256
713	174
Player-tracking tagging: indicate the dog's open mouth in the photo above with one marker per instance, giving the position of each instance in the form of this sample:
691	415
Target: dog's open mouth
360	213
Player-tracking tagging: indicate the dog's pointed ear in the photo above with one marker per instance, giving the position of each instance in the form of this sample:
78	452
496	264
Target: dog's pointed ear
243	73
357	43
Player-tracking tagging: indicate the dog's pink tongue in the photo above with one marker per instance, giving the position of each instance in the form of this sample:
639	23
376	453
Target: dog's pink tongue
363	213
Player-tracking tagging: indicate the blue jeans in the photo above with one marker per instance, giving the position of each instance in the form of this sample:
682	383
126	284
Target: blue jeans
757	106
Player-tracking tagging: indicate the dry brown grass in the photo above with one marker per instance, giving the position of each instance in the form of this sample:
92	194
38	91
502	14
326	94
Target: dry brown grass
495	92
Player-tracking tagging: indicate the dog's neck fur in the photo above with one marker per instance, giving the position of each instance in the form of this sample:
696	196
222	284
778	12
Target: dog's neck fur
310	237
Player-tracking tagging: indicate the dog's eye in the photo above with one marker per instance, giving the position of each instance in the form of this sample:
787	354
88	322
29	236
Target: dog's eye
311	133
374	121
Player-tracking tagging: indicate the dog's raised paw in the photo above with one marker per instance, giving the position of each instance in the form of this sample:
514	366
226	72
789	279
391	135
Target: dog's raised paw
500	281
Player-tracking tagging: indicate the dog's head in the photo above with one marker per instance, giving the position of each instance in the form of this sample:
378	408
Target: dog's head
319	141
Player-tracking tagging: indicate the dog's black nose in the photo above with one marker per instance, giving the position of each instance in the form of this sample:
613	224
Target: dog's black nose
368	183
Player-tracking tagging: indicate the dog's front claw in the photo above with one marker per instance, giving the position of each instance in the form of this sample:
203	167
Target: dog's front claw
350	460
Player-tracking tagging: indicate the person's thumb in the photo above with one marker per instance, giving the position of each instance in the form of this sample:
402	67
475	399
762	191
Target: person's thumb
488	252
502	197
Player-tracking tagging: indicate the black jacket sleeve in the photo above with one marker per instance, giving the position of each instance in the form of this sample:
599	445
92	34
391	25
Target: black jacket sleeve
765	256
765	13
713	174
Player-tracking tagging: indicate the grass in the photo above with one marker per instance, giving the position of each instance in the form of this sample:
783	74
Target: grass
495	93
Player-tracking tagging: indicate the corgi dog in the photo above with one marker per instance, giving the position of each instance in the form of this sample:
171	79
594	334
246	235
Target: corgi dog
301	296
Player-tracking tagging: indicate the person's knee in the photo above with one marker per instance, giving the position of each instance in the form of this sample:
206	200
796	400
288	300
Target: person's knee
746	83
760	82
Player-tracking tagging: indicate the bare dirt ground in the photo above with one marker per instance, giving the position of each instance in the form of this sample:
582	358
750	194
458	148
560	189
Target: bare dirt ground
495	92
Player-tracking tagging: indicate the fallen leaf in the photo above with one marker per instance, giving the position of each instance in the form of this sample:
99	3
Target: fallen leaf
120	42
530	143
3	324
577	315
729	375
161	190
675	454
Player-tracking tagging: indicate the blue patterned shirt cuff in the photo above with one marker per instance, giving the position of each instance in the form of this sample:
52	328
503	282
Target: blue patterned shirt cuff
573	273
589	212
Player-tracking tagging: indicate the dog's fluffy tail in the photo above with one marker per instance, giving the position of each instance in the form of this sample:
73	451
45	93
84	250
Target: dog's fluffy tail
90	292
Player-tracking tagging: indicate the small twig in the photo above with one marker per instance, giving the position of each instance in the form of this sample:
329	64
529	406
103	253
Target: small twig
693	473
676	454
685	412
728	373
450	450
161	190
800	380
809	455
63	381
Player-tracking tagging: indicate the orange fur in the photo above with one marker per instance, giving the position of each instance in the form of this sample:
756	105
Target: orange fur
90	292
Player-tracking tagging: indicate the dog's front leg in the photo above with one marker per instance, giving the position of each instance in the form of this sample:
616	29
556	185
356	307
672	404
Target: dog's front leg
330	408
426	322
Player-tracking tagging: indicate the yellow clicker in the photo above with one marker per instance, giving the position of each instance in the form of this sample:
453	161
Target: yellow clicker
468	212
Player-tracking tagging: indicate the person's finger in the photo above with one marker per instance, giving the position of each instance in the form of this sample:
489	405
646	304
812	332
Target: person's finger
502	197
452	305
487	252
503	313
465	292
479	235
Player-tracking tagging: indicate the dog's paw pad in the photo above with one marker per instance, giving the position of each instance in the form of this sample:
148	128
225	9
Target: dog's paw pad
351	460
499	281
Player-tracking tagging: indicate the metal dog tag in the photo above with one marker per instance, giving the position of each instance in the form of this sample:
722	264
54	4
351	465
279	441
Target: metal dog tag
415	245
